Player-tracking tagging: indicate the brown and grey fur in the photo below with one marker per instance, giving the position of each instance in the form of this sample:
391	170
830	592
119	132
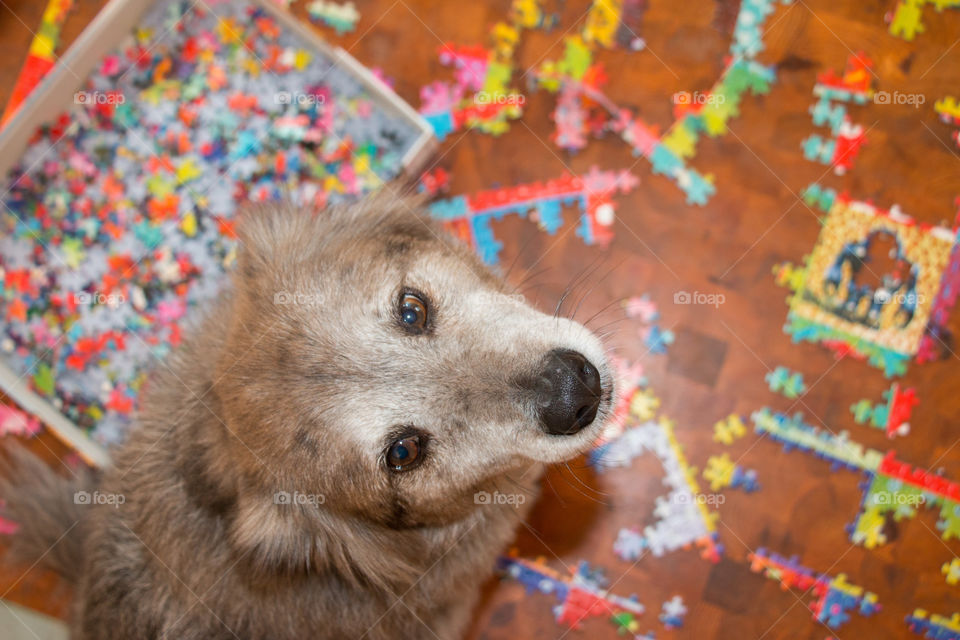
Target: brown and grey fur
297	382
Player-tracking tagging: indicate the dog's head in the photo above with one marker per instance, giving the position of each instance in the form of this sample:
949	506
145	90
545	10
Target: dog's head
377	366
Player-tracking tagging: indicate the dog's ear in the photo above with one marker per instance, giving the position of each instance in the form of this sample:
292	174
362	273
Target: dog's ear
274	235
281	236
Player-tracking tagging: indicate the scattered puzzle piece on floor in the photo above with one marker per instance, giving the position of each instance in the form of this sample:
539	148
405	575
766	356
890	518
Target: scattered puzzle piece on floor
673	613
906	20
819	196
788	383
642	307
934	627
656	339
793	433
893	415
470	218
854	86
15	422
729	429
434	182
948	108
581	596
721	472
341	17
834	596
951	571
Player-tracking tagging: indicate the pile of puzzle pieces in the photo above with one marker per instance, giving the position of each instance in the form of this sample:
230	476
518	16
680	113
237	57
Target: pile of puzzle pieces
906	20
893	415
854	86
470	217
121	216
834	597
934	627
580	596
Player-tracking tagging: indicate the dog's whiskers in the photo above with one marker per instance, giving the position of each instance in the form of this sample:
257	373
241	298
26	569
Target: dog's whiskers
574	282
595	285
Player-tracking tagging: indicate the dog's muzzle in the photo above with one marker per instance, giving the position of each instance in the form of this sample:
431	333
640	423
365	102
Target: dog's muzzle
568	392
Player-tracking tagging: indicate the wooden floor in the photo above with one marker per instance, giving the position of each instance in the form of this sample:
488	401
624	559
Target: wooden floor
663	246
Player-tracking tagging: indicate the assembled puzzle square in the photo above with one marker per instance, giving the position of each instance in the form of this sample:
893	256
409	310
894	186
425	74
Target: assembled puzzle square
844	303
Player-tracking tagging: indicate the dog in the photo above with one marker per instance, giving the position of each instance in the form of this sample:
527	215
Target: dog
340	449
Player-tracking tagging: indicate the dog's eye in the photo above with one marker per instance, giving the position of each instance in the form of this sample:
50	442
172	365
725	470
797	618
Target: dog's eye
413	312
404	453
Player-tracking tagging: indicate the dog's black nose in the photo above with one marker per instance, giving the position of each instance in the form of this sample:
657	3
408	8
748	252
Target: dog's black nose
569	392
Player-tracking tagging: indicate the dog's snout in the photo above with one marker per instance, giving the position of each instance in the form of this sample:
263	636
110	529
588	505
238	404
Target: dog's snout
568	393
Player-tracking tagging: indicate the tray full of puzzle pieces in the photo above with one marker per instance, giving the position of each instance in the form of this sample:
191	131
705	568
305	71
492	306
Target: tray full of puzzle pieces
122	172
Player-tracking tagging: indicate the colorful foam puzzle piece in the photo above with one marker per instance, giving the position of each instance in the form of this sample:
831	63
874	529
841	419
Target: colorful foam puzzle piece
934	626
951	571
819	196
656	339
721	472
673	612
906	20
788	383
341	17
580	596
470	217
892	415
834	596
729	429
